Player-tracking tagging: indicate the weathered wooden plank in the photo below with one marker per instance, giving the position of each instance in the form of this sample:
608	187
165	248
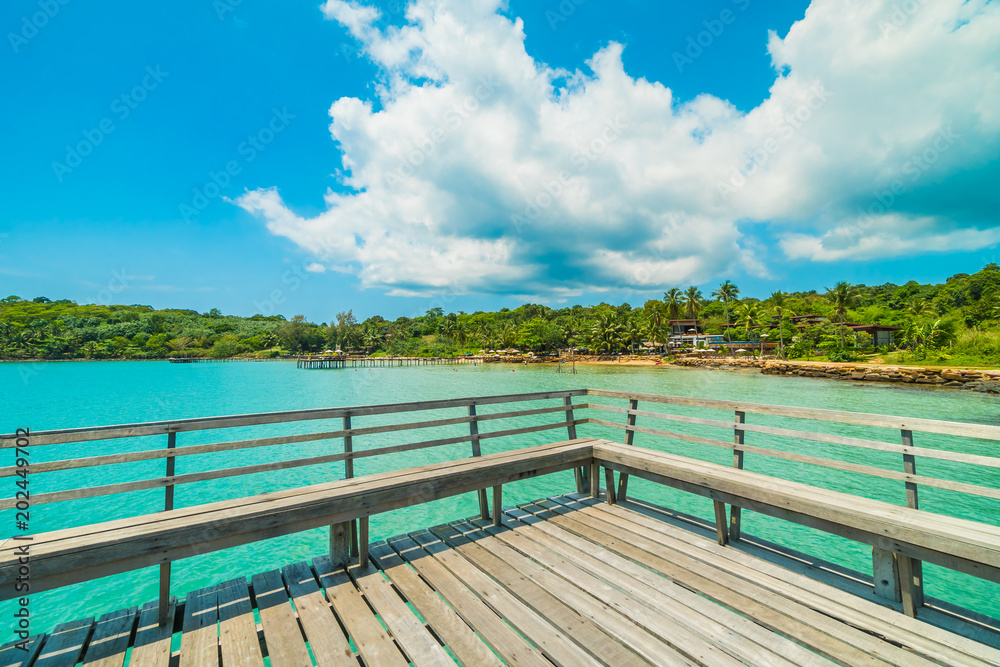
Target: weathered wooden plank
326	638
372	641
729	630
510	645
457	635
413	638
237	627
575	616
831	638
282	636
622	598
151	647
934	642
776	616
200	637
109	643
65	644
549	639
16	654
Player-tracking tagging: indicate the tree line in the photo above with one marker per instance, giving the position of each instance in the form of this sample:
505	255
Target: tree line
960	318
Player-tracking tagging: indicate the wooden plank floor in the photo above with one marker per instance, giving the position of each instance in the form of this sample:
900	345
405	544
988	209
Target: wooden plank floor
565	581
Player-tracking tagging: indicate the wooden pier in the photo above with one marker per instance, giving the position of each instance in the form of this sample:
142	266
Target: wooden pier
595	576
382	362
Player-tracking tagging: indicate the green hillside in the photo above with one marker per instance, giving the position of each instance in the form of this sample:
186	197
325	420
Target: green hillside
957	323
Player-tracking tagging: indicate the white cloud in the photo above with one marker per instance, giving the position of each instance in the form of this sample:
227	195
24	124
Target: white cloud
483	170
892	236
315	267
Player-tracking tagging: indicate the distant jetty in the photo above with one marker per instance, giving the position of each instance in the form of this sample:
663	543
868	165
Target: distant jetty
338	361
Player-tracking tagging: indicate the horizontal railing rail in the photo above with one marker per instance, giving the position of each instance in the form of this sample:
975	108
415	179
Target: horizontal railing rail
67	436
962	429
171	452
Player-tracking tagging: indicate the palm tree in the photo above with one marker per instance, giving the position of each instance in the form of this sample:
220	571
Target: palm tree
655	319
606	331
692	301
727	292
779	302
632	332
919	309
749	315
571	331
843	295
507	334
673	300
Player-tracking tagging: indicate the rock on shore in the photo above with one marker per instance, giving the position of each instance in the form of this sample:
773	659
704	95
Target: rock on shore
974	380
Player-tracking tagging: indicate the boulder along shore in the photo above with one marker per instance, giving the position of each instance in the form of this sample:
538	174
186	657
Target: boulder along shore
956	378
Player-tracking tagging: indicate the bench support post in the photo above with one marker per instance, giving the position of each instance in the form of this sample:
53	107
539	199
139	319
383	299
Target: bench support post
721	527
736	513
340	543
910	584
609	482
595	480
497	505
633	404
885	569
582	475
362	541
164	592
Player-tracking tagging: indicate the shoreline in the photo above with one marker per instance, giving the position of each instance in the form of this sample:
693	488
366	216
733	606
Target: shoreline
982	380
947	377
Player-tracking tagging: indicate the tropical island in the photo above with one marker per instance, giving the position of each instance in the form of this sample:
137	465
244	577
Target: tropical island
956	323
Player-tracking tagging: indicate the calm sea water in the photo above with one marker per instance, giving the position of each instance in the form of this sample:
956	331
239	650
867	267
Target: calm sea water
67	395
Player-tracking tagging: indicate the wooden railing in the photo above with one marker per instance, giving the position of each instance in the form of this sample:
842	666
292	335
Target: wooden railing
738	431
170	452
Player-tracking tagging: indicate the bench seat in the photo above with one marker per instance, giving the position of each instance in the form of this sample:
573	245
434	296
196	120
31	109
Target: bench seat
958	544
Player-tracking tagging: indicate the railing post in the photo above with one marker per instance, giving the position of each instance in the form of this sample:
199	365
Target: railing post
911	572
633	405
735	513
344	536
582	474
349	474
168	504
484	508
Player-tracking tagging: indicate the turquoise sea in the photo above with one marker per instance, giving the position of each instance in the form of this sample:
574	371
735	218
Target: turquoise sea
44	396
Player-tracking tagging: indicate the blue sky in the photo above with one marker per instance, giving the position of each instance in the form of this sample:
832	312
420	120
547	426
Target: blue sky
310	158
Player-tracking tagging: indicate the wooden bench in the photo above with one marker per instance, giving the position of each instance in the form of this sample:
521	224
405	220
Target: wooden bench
64	557
912	535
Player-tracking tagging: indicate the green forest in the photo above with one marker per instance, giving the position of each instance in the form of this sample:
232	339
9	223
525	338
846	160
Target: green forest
955	323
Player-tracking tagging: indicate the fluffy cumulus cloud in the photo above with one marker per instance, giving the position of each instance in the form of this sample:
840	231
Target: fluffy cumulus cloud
483	170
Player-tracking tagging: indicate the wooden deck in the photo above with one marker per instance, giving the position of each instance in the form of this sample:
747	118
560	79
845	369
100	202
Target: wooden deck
566	581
